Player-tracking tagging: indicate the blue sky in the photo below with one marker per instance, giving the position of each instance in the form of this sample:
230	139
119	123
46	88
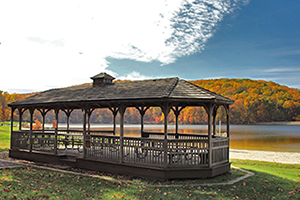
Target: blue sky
54	44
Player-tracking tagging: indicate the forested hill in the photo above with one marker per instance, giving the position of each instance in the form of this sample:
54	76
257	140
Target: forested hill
255	101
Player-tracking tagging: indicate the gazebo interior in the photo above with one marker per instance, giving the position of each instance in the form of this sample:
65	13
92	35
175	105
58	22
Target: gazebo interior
155	155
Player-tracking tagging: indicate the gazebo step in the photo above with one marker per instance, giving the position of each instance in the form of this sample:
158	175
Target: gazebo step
69	159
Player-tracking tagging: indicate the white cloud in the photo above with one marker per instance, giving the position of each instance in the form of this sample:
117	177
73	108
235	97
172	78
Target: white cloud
282	69
61	43
134	76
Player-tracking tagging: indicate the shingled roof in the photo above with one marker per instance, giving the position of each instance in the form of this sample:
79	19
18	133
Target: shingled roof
156	90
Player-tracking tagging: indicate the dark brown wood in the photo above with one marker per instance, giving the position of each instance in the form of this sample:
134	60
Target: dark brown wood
84	132
122	109
165	109
56	131
209	123
124	168
11	127
31	128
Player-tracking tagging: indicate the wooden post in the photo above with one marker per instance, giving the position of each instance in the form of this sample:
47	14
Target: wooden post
56	131
227	128
166	110
177	111
228	120
115	124
31	110
209	113
12	127
90	111
68	113
20	118
114	110
43	125
142	124
84	132
214	115
68	122
142	111
122	109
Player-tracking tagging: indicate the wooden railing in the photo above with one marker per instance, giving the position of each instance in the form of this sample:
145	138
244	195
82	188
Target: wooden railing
143	151
20	140
220	150
104	147
159	135
150	152
187	150
43	141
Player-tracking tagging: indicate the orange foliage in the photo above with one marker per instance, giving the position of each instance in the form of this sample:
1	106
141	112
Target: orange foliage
37	125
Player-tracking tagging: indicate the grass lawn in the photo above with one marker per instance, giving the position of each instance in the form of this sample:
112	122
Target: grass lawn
4	137
271	181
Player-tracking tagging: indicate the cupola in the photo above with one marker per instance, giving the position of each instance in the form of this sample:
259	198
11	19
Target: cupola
102	79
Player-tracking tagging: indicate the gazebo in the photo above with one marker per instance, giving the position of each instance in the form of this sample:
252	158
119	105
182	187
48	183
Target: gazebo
154	155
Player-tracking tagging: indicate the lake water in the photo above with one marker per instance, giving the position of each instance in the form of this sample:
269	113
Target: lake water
285	138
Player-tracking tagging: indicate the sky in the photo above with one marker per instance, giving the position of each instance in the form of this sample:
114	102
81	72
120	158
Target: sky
54	44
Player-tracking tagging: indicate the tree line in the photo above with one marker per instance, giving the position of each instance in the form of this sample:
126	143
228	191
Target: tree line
255	101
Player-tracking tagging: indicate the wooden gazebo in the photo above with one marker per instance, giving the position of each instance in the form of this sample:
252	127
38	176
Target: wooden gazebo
155	155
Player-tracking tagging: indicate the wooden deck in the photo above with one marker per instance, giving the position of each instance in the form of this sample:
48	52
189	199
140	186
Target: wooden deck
189	154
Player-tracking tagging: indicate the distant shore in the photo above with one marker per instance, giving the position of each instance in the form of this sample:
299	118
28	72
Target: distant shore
269	156
277	123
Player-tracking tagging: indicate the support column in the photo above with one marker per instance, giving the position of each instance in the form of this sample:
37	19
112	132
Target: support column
228	120
142	111
114	110
84	132
166	110
56	131
227	128
43	113
89	112
177	111
12	127
43	125
31	110
215	109
68	123
68	113
122	109
21	111
209	111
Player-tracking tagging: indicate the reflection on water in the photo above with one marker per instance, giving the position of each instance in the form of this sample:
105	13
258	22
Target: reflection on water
251	137
266	137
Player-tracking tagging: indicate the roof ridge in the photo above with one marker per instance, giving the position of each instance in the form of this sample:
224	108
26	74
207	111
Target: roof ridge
171	87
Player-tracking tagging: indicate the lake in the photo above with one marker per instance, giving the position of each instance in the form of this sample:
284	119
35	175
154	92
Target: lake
285	138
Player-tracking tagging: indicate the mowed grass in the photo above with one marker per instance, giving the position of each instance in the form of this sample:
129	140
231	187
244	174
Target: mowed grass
271	181
4	137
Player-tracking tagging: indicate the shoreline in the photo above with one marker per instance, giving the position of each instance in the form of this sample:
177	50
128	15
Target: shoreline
269	156
276	123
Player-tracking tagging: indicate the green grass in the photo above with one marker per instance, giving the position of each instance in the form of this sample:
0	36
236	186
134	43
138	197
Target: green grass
271	181
4	137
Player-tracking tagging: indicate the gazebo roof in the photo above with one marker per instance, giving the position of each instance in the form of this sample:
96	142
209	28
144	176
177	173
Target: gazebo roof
103	75
133	93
